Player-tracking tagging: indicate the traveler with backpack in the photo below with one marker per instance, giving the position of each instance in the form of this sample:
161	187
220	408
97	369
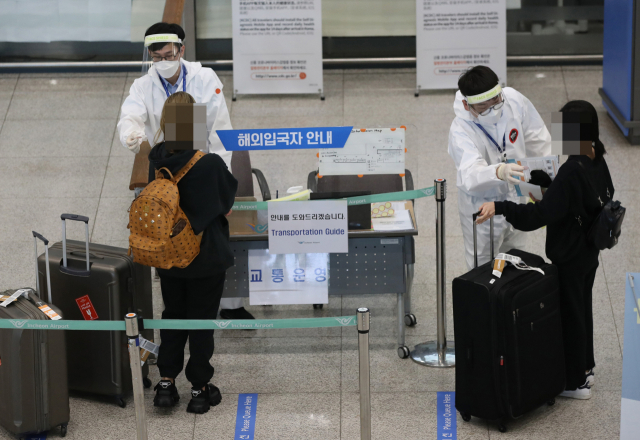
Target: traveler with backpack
206	194
167	72
569	208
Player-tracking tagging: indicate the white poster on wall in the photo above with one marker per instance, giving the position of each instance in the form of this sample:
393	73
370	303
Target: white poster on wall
453	35
308	227
277	46
288	278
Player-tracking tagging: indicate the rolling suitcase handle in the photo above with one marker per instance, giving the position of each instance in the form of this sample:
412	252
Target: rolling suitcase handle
37	236
65	268
475	238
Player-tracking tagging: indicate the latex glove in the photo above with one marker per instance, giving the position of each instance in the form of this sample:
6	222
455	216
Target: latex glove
134	140
506	170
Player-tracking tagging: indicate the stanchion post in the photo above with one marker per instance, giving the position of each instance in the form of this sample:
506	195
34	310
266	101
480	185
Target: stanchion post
363	320
438	353
131	325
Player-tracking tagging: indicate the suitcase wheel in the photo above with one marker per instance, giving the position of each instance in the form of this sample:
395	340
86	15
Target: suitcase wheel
120	401
63	430
318	306
551	402
465	416
403	352
502	427
146	382
410	320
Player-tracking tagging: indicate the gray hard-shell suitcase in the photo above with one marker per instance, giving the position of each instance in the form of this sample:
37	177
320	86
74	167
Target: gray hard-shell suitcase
98	361
33	368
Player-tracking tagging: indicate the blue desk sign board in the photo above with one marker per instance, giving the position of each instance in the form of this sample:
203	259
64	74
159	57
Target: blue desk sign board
284	138
630	420
447	416
246	417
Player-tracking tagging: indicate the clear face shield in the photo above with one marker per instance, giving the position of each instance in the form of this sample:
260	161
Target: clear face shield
487	106
163	51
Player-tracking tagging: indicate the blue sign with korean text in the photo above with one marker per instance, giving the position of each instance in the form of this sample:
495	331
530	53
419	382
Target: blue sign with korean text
284	138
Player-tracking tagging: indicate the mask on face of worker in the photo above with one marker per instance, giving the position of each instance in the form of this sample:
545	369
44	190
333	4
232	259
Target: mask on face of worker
167	69
492	118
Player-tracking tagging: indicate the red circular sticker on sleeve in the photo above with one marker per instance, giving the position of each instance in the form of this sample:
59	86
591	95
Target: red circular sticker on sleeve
513	135
218	91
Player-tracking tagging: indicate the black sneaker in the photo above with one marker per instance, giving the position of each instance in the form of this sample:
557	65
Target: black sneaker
166	394
240	313
202	400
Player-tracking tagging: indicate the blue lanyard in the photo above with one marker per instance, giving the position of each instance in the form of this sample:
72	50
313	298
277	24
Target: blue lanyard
504	144
184	81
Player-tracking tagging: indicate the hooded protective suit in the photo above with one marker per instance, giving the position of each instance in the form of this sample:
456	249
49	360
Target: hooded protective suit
477	158
142	109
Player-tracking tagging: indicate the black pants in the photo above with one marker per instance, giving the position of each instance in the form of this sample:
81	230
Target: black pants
576	287
184	298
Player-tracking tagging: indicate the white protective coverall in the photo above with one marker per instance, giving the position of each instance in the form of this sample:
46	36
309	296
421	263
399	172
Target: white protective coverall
477	158
142	110
143	107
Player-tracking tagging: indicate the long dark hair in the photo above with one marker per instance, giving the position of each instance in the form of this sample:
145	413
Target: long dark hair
580	106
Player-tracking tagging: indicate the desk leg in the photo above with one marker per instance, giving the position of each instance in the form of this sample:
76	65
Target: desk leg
409	318
403	350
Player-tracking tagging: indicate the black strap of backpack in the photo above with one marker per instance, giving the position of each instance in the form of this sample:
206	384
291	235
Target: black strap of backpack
593	187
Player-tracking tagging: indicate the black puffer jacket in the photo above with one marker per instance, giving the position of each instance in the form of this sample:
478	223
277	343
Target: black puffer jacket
207	193
568	208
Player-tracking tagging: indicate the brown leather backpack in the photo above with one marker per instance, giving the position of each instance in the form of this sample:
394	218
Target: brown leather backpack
161	235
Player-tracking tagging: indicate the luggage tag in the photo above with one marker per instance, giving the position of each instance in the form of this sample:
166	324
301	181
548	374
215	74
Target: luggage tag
502	259
48	311
14	297
146	348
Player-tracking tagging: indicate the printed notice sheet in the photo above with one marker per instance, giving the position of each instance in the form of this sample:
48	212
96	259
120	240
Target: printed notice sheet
367	151
548	164
288	278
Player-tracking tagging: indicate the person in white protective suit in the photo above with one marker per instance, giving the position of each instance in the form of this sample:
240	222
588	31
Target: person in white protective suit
168	73
492	125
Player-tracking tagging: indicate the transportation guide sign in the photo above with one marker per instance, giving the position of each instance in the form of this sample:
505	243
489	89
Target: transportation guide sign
308	227
288	278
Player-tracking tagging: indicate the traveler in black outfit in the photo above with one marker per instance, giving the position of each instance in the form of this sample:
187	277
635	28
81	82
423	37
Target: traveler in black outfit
568	208
207	193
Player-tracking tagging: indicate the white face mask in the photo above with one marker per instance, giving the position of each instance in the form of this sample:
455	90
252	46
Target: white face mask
167	69
492	118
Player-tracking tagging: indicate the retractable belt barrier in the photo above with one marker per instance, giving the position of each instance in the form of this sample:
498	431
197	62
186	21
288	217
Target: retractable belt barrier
182	324
131	326
352	201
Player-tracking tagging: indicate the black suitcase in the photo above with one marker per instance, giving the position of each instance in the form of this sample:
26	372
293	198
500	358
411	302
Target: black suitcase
508	339
33	367
106	283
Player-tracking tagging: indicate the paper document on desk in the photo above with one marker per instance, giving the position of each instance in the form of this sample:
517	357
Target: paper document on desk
548	164
401	222
367	151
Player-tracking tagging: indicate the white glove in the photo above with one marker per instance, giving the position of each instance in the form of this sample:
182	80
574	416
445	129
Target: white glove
134	140
506	170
